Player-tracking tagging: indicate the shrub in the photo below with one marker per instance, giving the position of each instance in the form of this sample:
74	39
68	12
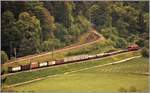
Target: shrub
4	57
146	43
8	90
4	70
132	89
120	43
145	52
121	89
140	42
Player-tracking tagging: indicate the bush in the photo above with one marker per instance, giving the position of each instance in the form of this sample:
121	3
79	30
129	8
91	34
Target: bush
122	89
145	52
50	44
109	32
4	57
132	89
131	38
120	43
8	90
4	70
140	42
146	43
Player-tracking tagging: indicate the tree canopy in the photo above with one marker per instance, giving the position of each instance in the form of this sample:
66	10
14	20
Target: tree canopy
37	26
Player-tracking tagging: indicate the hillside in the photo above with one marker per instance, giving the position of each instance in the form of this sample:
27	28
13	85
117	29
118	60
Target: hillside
35	27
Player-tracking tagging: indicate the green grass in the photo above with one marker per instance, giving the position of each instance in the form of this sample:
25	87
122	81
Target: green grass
105	79
18	78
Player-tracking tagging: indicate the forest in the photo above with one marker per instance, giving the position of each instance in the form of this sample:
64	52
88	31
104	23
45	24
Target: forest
30	27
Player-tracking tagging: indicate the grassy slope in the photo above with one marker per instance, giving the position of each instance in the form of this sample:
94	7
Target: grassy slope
108	78
63	54
64	68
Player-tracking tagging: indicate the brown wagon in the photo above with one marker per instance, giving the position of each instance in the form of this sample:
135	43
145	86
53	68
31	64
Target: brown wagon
25	67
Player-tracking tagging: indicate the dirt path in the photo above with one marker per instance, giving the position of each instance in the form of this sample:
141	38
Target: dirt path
116	62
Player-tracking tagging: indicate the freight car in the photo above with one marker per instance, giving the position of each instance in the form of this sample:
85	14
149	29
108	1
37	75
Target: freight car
76	58
91	56
43	64
71	59
51	63
25	67
58	62
14	69
99	55
34	65
84	57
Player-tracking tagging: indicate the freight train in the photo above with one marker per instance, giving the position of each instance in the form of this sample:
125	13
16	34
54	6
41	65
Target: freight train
34	65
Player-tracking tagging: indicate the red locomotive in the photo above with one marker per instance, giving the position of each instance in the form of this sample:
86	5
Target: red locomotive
133	47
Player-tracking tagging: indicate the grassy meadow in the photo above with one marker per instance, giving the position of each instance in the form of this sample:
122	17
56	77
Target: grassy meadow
113	78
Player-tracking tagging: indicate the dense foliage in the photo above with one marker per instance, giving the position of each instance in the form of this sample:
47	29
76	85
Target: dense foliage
4	57
36	26
145	52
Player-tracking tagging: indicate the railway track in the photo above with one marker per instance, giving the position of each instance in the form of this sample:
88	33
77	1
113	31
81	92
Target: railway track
5	75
